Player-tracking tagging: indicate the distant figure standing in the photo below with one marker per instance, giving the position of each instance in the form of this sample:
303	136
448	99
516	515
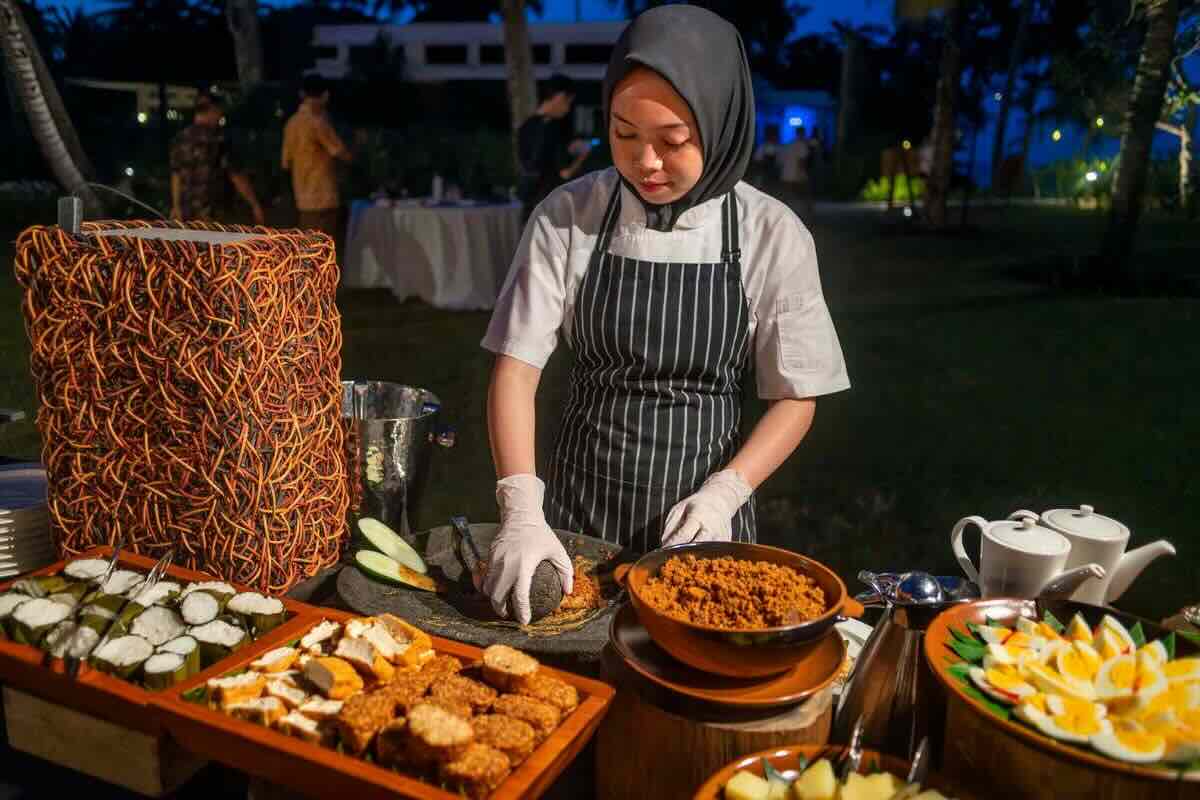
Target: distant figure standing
797	189
311	150
766	161
201	166
546	159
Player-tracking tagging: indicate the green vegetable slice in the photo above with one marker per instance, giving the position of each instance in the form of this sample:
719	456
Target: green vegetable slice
388	542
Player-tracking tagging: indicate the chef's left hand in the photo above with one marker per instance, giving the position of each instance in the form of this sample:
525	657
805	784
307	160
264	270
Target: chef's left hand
707	515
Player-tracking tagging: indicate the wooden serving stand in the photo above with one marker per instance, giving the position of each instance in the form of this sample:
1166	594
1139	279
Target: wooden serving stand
655	743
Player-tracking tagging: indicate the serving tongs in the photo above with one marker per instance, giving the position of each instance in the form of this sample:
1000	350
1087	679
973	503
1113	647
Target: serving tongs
81	602
916	773
147	583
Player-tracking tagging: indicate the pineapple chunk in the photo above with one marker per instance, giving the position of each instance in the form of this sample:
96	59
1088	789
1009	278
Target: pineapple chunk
747	786
930	794
816	783
777	790
880	786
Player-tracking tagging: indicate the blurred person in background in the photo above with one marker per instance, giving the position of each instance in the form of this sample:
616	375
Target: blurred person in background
546	158
311	150
797	190
202	169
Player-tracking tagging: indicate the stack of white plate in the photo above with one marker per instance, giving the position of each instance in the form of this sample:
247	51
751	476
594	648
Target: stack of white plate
24	520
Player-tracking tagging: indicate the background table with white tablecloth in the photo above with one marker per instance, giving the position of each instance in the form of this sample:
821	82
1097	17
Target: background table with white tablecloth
450	256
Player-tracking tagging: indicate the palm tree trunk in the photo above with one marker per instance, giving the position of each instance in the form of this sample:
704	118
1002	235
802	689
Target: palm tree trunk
950	74
39	97
1185	158
242	18
1145	108
1015	58
518	56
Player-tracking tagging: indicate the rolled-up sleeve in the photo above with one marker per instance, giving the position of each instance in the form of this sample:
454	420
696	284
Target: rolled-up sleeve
797	353
530	309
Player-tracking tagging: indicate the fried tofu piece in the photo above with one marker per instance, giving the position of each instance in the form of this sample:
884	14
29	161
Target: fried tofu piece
363	656
476	772
289	694
461	689
302	727
511	736
540	715
280	659
507	668
363	716
262	711
333	677
549	689
225	692
435	735
320	638
391	743
417	646
321	709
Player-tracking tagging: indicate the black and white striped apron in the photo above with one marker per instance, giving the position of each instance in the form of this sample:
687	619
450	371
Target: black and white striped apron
655	401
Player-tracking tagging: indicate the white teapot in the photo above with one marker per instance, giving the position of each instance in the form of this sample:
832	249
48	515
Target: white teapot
1020	558
1102	540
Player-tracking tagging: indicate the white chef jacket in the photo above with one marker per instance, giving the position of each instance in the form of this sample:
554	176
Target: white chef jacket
796	350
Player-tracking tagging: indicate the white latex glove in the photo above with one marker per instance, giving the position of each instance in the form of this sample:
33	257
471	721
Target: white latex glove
707	515
523	541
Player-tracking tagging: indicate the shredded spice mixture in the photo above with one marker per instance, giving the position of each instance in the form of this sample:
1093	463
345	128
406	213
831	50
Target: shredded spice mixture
731	593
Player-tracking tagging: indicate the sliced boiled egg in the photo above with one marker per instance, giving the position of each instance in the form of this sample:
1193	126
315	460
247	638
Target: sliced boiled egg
1183	744
993	634
1049	653
1078	630
1078	660
1127	740
1156	650
1182	669
1179	697
1032	710
1001	683
1047	633
1110	645
1049	681
1130	677
1072	720
1111	623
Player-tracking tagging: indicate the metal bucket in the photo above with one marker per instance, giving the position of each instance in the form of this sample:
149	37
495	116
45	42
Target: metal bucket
390	432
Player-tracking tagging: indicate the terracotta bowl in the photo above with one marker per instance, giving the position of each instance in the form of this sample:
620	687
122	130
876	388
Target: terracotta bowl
787	759
1014	760
752	653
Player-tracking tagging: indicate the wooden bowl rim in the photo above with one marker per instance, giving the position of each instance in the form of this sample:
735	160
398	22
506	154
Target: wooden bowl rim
805	566
936	654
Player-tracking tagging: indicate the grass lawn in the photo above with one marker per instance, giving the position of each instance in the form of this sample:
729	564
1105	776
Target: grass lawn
975	392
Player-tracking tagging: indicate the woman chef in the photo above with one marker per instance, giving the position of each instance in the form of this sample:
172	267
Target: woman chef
669	278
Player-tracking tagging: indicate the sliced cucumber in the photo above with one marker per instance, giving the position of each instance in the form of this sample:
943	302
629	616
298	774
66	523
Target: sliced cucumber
388	542
384	568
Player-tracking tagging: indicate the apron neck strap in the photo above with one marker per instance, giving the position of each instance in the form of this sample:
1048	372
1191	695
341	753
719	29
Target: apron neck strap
731	253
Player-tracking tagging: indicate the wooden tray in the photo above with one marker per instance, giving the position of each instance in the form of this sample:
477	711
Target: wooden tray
321	772
786	761
1012	759
101	695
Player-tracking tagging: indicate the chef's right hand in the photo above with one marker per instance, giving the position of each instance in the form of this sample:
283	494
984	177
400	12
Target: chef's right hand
523	541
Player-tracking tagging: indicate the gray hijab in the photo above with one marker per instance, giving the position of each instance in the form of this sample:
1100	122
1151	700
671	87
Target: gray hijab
703	58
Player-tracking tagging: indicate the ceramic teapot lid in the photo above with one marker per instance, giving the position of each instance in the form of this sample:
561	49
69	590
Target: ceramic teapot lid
1085	522
1026	535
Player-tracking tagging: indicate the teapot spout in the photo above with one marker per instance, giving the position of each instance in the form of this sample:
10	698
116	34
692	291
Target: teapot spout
1132	564
1062	586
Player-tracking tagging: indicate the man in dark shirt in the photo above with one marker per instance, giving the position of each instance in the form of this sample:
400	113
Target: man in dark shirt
201	169
546	159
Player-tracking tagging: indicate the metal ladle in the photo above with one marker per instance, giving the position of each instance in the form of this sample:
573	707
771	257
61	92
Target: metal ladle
917	588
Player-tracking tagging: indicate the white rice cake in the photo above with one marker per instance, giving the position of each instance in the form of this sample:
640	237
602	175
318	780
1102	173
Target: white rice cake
289	694
219	632
40	612
69	639
262	710
85	569
155	595
321	709
320	633
300	726
122	581
158	625
125	651
219	587
254	603
277	660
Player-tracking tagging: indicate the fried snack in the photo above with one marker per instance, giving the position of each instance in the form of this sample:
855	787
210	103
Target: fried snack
732	593
302	727
441	665
225	692
585	590
262	711
476	772
549	689
333	677
436	735
456	707
287	693
364	715
392	742
460	689
507	668
280	659
408	689
416	646
321	709
540	715
363	656
511	736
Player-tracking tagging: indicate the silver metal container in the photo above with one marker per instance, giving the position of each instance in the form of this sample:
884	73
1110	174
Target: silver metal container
390	432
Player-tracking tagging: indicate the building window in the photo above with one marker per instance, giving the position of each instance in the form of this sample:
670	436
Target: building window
446	54
588	53
541	54
491	54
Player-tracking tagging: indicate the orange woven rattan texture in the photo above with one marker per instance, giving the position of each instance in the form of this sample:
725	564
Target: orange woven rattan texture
189	395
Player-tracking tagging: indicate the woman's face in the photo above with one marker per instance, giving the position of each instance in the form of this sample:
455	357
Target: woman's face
654	138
